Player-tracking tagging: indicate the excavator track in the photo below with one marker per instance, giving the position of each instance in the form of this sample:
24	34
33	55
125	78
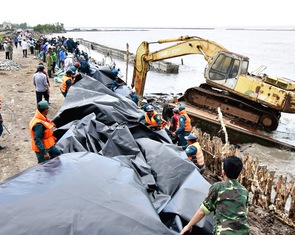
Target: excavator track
248	112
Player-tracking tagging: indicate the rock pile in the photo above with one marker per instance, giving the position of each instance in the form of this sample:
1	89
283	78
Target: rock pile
8	65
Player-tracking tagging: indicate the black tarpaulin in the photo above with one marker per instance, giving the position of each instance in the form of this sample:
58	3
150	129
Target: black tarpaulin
115	176
103	74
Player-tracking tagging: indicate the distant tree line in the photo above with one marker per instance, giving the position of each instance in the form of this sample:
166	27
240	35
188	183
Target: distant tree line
46	28
15	26
49	28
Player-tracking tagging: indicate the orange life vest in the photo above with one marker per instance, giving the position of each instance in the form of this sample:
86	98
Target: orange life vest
151	120
48	138
64	87
187	123
199	157
164	123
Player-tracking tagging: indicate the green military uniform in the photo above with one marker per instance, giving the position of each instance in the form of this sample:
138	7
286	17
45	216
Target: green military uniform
230	215
54	60
10	50
49	62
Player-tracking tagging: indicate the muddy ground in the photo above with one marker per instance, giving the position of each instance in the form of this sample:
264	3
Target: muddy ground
18	107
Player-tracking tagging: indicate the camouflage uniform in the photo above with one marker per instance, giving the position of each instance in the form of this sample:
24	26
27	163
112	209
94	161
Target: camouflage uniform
228	200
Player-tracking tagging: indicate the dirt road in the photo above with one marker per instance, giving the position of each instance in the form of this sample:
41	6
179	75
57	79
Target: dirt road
18	108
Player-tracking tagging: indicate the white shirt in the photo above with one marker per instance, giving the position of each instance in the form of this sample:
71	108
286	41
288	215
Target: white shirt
68	63
25	45
5	47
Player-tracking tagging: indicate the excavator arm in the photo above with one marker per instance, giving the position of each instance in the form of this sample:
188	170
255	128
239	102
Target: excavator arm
185	46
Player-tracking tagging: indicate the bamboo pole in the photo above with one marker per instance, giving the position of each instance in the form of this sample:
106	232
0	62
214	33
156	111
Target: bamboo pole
127	60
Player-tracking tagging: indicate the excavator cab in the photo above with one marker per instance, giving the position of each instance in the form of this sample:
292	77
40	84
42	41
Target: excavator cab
225	69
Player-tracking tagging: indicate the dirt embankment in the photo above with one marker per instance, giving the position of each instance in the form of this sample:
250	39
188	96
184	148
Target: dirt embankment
18	107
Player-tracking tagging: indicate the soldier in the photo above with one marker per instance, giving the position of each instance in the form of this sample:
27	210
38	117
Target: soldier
67	82
184	127
194	152
10	49
152	119
228	200
41	130
49	61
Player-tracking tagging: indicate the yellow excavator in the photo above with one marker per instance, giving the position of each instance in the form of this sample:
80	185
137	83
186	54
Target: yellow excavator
258	99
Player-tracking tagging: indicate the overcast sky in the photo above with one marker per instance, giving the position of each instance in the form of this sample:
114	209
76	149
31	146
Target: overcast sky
151	13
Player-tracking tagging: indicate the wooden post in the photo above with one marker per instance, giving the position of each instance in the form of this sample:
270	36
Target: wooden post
292	206
269	187
127	60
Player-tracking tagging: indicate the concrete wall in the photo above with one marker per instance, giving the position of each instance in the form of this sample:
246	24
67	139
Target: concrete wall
160	66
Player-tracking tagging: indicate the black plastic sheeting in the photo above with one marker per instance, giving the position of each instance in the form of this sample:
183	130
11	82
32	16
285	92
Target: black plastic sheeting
115	176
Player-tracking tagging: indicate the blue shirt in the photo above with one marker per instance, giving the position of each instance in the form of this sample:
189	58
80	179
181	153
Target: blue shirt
62	55
190	150
134	97
74	69
144	106
114	85
44	48
115	71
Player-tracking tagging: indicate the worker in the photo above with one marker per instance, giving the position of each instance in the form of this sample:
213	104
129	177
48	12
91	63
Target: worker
75	67
76	75
174	121
152	118
84	66
66	82
174	124
41	130
116	84
184	128
115	71
194	152
49	61
228	200
144	104
41	83
134	96
1	127
68	62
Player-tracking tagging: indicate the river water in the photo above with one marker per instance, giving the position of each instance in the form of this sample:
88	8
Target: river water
273	48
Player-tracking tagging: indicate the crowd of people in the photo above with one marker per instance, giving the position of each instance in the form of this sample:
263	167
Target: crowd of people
55	52
58	54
